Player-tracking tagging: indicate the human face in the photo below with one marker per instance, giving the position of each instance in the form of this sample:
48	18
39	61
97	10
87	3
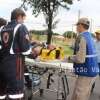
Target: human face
80	28
21	19
98	36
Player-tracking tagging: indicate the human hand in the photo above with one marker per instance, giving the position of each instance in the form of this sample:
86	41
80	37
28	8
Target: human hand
65	59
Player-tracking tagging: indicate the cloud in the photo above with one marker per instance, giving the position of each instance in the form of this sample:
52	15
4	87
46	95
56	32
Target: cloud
7	6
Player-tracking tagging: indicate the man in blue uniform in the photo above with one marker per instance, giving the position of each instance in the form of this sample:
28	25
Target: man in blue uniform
15	44
85	61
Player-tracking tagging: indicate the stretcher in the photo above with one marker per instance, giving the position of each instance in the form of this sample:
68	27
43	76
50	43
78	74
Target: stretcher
52	67
55	64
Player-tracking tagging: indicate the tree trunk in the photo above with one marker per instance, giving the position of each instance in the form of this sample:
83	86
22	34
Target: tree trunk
50	18
49	36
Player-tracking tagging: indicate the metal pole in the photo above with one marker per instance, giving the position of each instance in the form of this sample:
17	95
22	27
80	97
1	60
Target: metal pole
79	14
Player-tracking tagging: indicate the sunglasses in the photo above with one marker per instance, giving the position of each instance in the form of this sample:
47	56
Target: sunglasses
81	23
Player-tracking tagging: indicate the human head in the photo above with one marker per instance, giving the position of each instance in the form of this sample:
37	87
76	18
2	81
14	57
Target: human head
18	15
2	22
97	34
82	25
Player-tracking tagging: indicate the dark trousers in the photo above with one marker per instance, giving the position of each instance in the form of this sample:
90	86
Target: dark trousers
12	77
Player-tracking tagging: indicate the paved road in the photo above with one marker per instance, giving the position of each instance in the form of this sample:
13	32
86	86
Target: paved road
52	96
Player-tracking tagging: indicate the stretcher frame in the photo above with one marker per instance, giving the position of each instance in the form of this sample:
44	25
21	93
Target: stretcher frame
61	67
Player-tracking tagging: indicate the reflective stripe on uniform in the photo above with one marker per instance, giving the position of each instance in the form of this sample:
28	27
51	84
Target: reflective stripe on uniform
90	56
1	28
16	96
26	74
27	52
2	97
0	47
11	49
15	30
0	36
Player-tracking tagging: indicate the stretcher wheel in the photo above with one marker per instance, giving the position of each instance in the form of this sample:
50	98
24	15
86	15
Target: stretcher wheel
28	94
30	98
63	97
41	92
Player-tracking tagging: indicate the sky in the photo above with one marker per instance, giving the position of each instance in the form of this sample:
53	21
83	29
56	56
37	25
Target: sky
67	19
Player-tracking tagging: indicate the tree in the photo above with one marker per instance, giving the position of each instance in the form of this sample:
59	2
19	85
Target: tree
50	9
70	34
40	32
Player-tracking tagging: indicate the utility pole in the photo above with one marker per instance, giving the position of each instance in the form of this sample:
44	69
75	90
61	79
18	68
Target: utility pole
91	23
72	26
79	14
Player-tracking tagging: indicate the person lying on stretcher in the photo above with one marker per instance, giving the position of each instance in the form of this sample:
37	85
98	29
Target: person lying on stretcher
46	52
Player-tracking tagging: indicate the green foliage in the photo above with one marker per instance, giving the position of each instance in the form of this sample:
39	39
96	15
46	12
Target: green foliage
41	32
55	33
50	9
46	5
70	34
